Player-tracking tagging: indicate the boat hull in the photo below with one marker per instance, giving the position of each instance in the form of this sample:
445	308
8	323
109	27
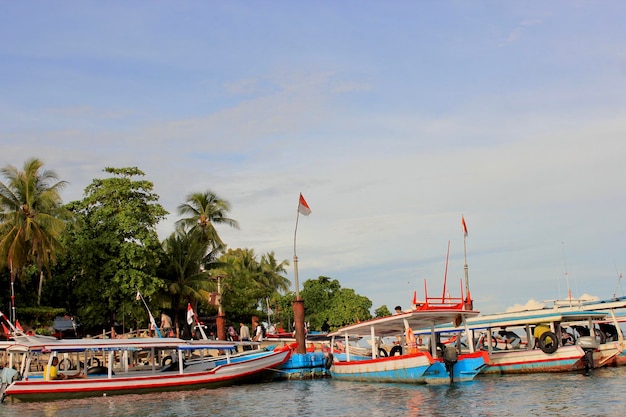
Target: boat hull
565	359
405	369
468	366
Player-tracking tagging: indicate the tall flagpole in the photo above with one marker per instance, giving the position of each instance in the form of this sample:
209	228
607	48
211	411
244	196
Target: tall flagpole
295	258
298	304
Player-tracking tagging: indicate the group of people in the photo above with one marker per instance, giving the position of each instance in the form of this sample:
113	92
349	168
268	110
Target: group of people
246	336
244	331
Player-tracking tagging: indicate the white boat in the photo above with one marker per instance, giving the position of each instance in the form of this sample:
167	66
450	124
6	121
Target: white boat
136	366
407	363
514	347
608	330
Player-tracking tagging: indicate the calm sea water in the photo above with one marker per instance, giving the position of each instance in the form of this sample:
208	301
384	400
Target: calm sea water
573	394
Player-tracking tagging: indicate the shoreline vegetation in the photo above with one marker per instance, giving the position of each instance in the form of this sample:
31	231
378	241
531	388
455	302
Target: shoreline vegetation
87	259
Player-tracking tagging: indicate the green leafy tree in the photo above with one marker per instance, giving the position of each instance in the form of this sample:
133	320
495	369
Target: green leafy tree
326	302
382	311
118	250
31	219
349	307
204	211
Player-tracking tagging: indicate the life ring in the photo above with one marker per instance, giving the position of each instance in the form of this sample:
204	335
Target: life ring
329	361
99	370
382	353
396	351
548	342
92	362
65	364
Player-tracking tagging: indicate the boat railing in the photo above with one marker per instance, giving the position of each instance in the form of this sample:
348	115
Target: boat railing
437	303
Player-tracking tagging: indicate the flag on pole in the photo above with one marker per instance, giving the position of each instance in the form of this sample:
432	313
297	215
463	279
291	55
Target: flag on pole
303	207
18	326
190	314
153	325
464	226
5	330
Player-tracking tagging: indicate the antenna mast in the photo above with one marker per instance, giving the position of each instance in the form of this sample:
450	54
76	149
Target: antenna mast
569	291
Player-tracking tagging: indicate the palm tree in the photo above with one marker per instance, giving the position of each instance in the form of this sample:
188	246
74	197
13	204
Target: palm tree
250	281
206	210
185	276
31	218
272	272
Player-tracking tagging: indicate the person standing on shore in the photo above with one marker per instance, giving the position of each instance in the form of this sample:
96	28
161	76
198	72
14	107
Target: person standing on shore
244	335
166	324
258	330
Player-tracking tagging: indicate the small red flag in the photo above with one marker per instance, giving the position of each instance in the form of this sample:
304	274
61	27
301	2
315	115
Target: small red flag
5	330
303	207
18	326
464	226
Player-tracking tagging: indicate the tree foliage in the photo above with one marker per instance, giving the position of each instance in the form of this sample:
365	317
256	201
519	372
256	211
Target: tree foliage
326	302
31	219
106	249
117	248
185	257
204	211
382	311
248	282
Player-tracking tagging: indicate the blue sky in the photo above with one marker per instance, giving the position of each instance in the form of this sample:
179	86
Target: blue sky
393	119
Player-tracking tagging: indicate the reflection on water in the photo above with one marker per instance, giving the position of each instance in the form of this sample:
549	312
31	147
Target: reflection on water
522	395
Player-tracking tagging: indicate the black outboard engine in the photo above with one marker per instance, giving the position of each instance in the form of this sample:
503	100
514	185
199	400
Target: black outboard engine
588	344
450	357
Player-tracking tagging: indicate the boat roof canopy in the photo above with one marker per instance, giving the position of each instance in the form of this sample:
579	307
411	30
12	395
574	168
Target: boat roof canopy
396	324
79	345
522	318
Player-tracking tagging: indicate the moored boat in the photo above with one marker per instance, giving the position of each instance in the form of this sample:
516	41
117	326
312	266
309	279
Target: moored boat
536	341
407	363
608	330
136	366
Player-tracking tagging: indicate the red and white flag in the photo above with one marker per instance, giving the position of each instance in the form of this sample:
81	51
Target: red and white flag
5	330
18	326
464	226
303	207
190	314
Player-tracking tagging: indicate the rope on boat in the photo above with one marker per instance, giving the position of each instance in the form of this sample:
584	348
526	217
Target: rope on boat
277	370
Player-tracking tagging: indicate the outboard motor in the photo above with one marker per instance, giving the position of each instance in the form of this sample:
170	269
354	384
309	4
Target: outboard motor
450	357
588	344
